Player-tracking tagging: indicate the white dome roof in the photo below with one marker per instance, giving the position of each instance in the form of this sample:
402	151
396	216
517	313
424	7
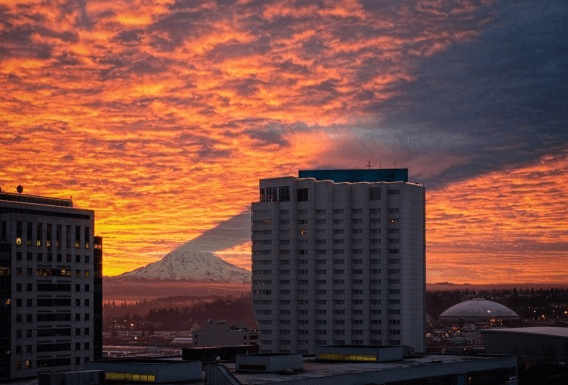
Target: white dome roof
479	308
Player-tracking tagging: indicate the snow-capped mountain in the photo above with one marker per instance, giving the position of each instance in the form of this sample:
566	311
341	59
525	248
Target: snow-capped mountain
191	265
196	261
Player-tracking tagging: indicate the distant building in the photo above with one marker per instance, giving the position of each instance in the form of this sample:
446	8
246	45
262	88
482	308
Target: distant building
50	286
478	310
338	257
219	333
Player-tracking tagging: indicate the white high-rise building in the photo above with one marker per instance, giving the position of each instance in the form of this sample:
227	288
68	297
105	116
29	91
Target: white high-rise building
50	286
338	257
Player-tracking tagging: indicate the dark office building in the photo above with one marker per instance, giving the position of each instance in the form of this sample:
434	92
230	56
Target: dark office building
50	286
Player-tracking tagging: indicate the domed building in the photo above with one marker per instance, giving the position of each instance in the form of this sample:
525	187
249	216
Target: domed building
478	310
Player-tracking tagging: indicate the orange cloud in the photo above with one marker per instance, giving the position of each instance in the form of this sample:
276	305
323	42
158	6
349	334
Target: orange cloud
162	116
504	226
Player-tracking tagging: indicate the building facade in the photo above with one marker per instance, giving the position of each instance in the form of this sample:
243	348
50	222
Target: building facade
50	286
338	257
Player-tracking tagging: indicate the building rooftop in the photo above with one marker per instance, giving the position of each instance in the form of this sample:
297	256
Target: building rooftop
318	369
35	199
312	369
479	308
550	331
358	175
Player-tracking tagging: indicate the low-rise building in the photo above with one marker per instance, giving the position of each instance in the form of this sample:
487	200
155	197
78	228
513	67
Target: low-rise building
219	333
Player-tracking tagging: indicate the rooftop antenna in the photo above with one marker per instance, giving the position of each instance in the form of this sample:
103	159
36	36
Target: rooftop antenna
395	164
369	164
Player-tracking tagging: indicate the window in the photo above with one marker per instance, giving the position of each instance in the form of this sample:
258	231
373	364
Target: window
77	236
284	192
302	194
394	192
375	193
271	194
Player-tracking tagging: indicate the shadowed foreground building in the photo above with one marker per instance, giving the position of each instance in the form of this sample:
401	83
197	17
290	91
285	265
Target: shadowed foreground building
50	286
338	257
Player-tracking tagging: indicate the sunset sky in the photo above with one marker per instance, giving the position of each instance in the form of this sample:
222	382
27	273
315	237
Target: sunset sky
162	116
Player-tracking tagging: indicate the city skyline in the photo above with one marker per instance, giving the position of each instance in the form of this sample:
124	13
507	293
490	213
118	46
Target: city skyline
161	116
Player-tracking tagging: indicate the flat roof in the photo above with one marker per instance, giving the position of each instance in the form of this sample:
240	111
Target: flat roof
317	369
36	199
538	330
358	175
